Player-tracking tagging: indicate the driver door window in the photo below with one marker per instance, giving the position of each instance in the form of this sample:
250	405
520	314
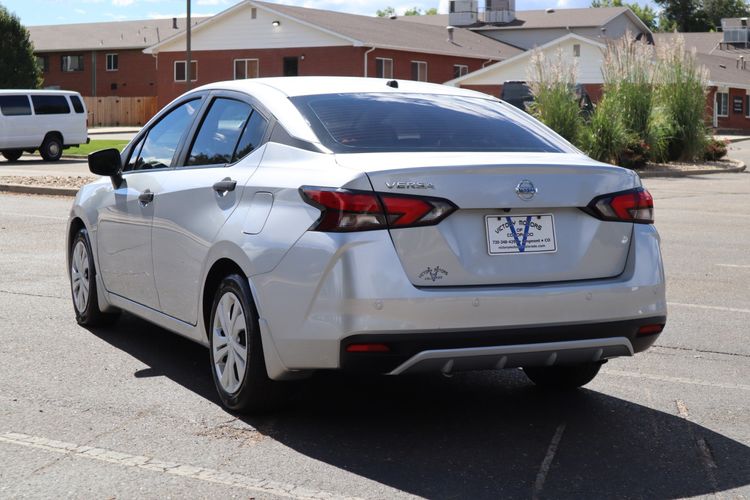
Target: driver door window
161	142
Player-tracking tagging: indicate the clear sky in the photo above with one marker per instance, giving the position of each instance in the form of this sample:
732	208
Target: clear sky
38	12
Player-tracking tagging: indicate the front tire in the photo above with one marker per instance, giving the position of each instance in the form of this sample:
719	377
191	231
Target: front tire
12	154
562	377
83	283
52	148
237	362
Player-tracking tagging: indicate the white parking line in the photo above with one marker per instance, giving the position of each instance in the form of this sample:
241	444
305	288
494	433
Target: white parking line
735	266
541	476
677	380
200	473
712	308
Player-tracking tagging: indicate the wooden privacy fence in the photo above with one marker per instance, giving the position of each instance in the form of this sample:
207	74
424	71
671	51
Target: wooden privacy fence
114	111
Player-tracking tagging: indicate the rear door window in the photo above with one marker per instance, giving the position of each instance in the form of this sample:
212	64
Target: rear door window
50	104
15	105
217	138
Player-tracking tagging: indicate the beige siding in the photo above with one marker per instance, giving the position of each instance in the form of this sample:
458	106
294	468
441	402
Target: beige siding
589	65
240	31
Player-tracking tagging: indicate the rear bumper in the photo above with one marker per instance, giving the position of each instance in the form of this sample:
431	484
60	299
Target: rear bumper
499	348
331	288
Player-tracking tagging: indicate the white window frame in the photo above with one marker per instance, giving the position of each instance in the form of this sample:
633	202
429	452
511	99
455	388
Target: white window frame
193	76
245	60
463	69
420	63
384	59
718	104
107	59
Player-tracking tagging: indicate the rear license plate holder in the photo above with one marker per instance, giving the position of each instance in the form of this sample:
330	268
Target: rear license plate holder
520	234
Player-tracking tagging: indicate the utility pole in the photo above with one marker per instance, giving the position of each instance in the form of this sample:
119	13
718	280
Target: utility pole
188	64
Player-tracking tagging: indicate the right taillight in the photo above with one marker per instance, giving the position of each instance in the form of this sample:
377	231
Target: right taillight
345	210
633	205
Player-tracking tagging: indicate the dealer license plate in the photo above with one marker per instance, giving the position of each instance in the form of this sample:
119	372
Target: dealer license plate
514	234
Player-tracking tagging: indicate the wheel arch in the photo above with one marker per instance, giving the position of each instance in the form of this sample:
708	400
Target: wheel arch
53	133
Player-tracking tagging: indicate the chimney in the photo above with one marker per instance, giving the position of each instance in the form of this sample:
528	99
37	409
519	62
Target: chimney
450	33
174	23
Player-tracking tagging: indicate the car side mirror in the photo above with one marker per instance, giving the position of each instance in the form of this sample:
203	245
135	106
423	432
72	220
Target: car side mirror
106	162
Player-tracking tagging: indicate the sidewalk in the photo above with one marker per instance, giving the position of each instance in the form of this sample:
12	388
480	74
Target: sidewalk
113	133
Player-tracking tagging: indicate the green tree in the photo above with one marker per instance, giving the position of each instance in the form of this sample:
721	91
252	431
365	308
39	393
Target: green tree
414	11
431	12
715	10
18	67
645	13
387	12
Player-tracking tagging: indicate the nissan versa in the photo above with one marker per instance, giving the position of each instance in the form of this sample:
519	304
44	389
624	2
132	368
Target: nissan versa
384	226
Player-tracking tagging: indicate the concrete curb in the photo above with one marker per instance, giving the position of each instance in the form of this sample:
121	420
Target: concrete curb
43	190
689	173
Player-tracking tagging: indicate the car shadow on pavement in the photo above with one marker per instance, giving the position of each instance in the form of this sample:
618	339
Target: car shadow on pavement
474	435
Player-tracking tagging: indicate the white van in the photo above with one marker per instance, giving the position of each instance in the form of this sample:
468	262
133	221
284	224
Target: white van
47	120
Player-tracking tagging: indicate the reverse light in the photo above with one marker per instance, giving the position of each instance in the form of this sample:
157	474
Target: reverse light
633	205
344	210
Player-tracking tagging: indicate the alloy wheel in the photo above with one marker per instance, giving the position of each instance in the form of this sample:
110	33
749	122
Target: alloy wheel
80	276
229	342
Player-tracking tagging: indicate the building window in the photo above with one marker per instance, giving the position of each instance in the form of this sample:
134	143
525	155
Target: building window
245	68
253	13
419	71
577	50
460	70
43	63
383	67
722	104
747	106
71	63
112	62
180	68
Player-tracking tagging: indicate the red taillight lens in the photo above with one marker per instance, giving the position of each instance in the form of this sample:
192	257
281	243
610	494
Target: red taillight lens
635	205
348	210
367	348
650	329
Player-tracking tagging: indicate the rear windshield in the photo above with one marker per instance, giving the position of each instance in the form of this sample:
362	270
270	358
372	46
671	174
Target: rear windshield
348	123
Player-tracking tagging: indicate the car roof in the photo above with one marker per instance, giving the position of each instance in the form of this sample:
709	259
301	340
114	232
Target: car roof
314	85
38	92
274	93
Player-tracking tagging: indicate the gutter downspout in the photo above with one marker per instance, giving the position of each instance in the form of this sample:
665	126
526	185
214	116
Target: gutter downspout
366	54
488	61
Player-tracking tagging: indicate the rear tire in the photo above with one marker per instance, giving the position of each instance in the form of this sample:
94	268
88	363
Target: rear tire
237	362
52	148
12	154
83	284
563	376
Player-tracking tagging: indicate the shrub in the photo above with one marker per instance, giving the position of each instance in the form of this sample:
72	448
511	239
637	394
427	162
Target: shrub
605	136
682	91
555	101
715	149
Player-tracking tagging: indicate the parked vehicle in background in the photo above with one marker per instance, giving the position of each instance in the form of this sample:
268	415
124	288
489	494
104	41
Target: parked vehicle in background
383	226
44	120
519	94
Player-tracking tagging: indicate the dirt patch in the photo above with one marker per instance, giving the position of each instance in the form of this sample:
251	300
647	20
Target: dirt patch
687	168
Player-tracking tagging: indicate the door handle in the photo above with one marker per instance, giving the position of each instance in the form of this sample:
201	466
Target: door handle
146	197
224	186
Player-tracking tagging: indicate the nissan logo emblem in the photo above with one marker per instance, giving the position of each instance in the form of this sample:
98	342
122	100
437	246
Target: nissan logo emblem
526	190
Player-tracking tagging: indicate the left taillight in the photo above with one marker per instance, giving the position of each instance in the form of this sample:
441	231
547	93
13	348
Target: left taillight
344	210
633	205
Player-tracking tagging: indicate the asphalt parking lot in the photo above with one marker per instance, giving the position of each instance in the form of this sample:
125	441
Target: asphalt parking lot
130	411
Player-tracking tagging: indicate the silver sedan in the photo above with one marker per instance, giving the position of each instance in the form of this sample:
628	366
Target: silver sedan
301	224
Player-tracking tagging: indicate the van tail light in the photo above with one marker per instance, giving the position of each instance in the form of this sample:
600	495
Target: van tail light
634	205
344	210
